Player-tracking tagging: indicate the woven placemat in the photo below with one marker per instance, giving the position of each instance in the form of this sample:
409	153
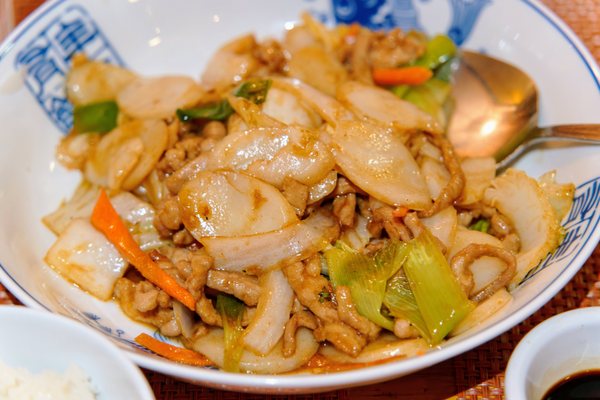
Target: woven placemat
583	16
480	373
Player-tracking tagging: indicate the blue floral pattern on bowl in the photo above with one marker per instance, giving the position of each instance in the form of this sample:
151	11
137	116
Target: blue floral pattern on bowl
582	219
96	321
46	60
388	14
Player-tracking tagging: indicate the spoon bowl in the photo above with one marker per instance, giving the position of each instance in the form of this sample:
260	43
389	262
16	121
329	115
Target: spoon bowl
495	112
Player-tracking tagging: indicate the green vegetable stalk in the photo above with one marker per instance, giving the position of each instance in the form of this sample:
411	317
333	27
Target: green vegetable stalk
412	280
441	301
214	111
366	276
481	225
254	90
95	117
231	311
401	303
432	96
439	49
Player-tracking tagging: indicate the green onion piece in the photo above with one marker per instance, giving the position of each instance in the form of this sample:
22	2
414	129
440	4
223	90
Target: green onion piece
95	117
439	50
441	300
366	276
445	71
254	90
400	90
401	303
324	296
431	97
481	225
214	111
231	311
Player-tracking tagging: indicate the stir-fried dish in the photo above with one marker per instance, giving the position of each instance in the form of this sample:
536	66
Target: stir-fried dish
296	208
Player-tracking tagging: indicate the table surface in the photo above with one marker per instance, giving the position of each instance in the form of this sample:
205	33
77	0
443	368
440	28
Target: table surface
477	374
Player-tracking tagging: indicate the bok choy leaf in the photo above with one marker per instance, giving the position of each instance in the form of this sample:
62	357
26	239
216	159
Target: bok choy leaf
366	276
231	311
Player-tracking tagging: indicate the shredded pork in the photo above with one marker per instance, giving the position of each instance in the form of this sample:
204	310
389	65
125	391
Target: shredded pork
227	188
460	265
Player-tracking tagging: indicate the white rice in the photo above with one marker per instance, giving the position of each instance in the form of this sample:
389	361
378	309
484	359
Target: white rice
21	384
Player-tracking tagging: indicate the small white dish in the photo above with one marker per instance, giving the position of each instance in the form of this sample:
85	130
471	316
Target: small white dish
41	341
558	347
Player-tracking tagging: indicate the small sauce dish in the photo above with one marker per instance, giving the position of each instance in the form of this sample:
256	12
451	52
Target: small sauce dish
562	346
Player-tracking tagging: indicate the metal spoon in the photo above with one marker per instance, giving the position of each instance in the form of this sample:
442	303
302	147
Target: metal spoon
495	112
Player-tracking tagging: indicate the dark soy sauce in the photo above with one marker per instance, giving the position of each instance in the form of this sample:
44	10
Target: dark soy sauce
579	386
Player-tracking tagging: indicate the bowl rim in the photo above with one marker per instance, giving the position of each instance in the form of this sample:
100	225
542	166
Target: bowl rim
130	370
363	375
530	345
566	32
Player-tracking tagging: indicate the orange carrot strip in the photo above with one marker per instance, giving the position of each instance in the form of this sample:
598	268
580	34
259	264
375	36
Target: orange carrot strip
107	221
173	353
401	76
400	212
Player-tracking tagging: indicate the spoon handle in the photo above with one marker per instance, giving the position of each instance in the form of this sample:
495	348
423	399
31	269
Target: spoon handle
578	132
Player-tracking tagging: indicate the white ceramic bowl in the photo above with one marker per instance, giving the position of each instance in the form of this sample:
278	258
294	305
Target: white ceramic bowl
177	37
41	341
558	347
